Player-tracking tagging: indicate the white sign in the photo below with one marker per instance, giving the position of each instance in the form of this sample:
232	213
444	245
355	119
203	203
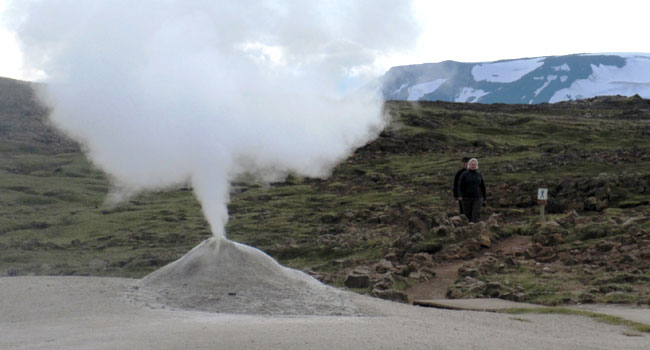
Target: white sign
542	194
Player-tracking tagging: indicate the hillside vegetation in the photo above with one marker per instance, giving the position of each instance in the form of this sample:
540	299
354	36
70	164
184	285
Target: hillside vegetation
385	220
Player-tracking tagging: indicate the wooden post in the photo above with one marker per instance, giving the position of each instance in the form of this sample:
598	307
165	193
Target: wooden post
542	196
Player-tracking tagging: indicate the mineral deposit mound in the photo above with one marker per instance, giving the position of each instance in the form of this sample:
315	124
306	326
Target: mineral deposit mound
220	275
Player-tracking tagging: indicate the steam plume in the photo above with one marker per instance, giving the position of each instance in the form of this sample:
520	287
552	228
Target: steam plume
168	93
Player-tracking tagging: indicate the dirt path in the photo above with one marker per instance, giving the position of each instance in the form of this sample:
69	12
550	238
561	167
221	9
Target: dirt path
446	273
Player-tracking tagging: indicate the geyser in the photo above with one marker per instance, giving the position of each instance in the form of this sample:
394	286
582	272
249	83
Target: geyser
223	276
165	94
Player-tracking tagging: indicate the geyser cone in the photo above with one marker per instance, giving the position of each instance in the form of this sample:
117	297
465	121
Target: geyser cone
223	276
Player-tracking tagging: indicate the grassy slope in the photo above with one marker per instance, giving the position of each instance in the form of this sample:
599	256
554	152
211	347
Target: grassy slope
53	220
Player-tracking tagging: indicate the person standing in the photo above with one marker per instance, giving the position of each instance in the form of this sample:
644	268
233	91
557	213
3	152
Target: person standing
456	178
471	191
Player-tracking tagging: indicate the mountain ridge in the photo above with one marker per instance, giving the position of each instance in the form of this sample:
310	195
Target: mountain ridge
545	79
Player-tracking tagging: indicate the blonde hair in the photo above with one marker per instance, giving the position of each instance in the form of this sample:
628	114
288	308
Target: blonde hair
472	160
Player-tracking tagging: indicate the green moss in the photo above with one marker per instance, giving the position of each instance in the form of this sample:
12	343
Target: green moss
53	219
608	319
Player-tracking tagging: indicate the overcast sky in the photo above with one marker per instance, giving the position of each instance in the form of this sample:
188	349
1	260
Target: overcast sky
474	31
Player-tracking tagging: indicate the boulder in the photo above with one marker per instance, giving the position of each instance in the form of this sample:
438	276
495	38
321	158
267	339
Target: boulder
475	286
604	246
357	281
590	203
390	294
440	231
464	271
422	258
511	262
459	220
417	225
547	257
384	266
472	245
381	285
493	289
427	272
514	296
427	247
484	239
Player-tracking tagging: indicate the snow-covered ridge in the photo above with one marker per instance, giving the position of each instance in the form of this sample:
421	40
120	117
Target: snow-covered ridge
417	91
527	80
633	78
505	71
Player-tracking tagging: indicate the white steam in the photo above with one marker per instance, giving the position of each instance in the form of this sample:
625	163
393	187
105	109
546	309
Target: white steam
167	93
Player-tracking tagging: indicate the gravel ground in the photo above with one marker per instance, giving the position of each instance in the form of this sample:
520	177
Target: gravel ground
224	295
98	313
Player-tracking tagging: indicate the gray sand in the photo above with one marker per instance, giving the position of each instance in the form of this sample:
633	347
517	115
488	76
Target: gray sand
95	313
153	313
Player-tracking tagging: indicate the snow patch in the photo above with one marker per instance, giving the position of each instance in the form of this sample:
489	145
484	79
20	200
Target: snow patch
397	91
632	78
564	67
507	71
549	79
564	78
418	90
470	95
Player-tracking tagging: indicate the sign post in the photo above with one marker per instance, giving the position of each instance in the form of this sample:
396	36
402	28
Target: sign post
542	197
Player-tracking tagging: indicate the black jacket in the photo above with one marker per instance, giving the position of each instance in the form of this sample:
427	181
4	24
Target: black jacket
471	185
458	174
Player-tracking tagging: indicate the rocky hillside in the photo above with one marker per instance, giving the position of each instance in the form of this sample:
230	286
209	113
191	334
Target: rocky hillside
384	223
521	81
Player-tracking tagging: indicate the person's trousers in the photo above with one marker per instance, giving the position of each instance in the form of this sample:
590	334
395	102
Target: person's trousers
460	207
472	208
